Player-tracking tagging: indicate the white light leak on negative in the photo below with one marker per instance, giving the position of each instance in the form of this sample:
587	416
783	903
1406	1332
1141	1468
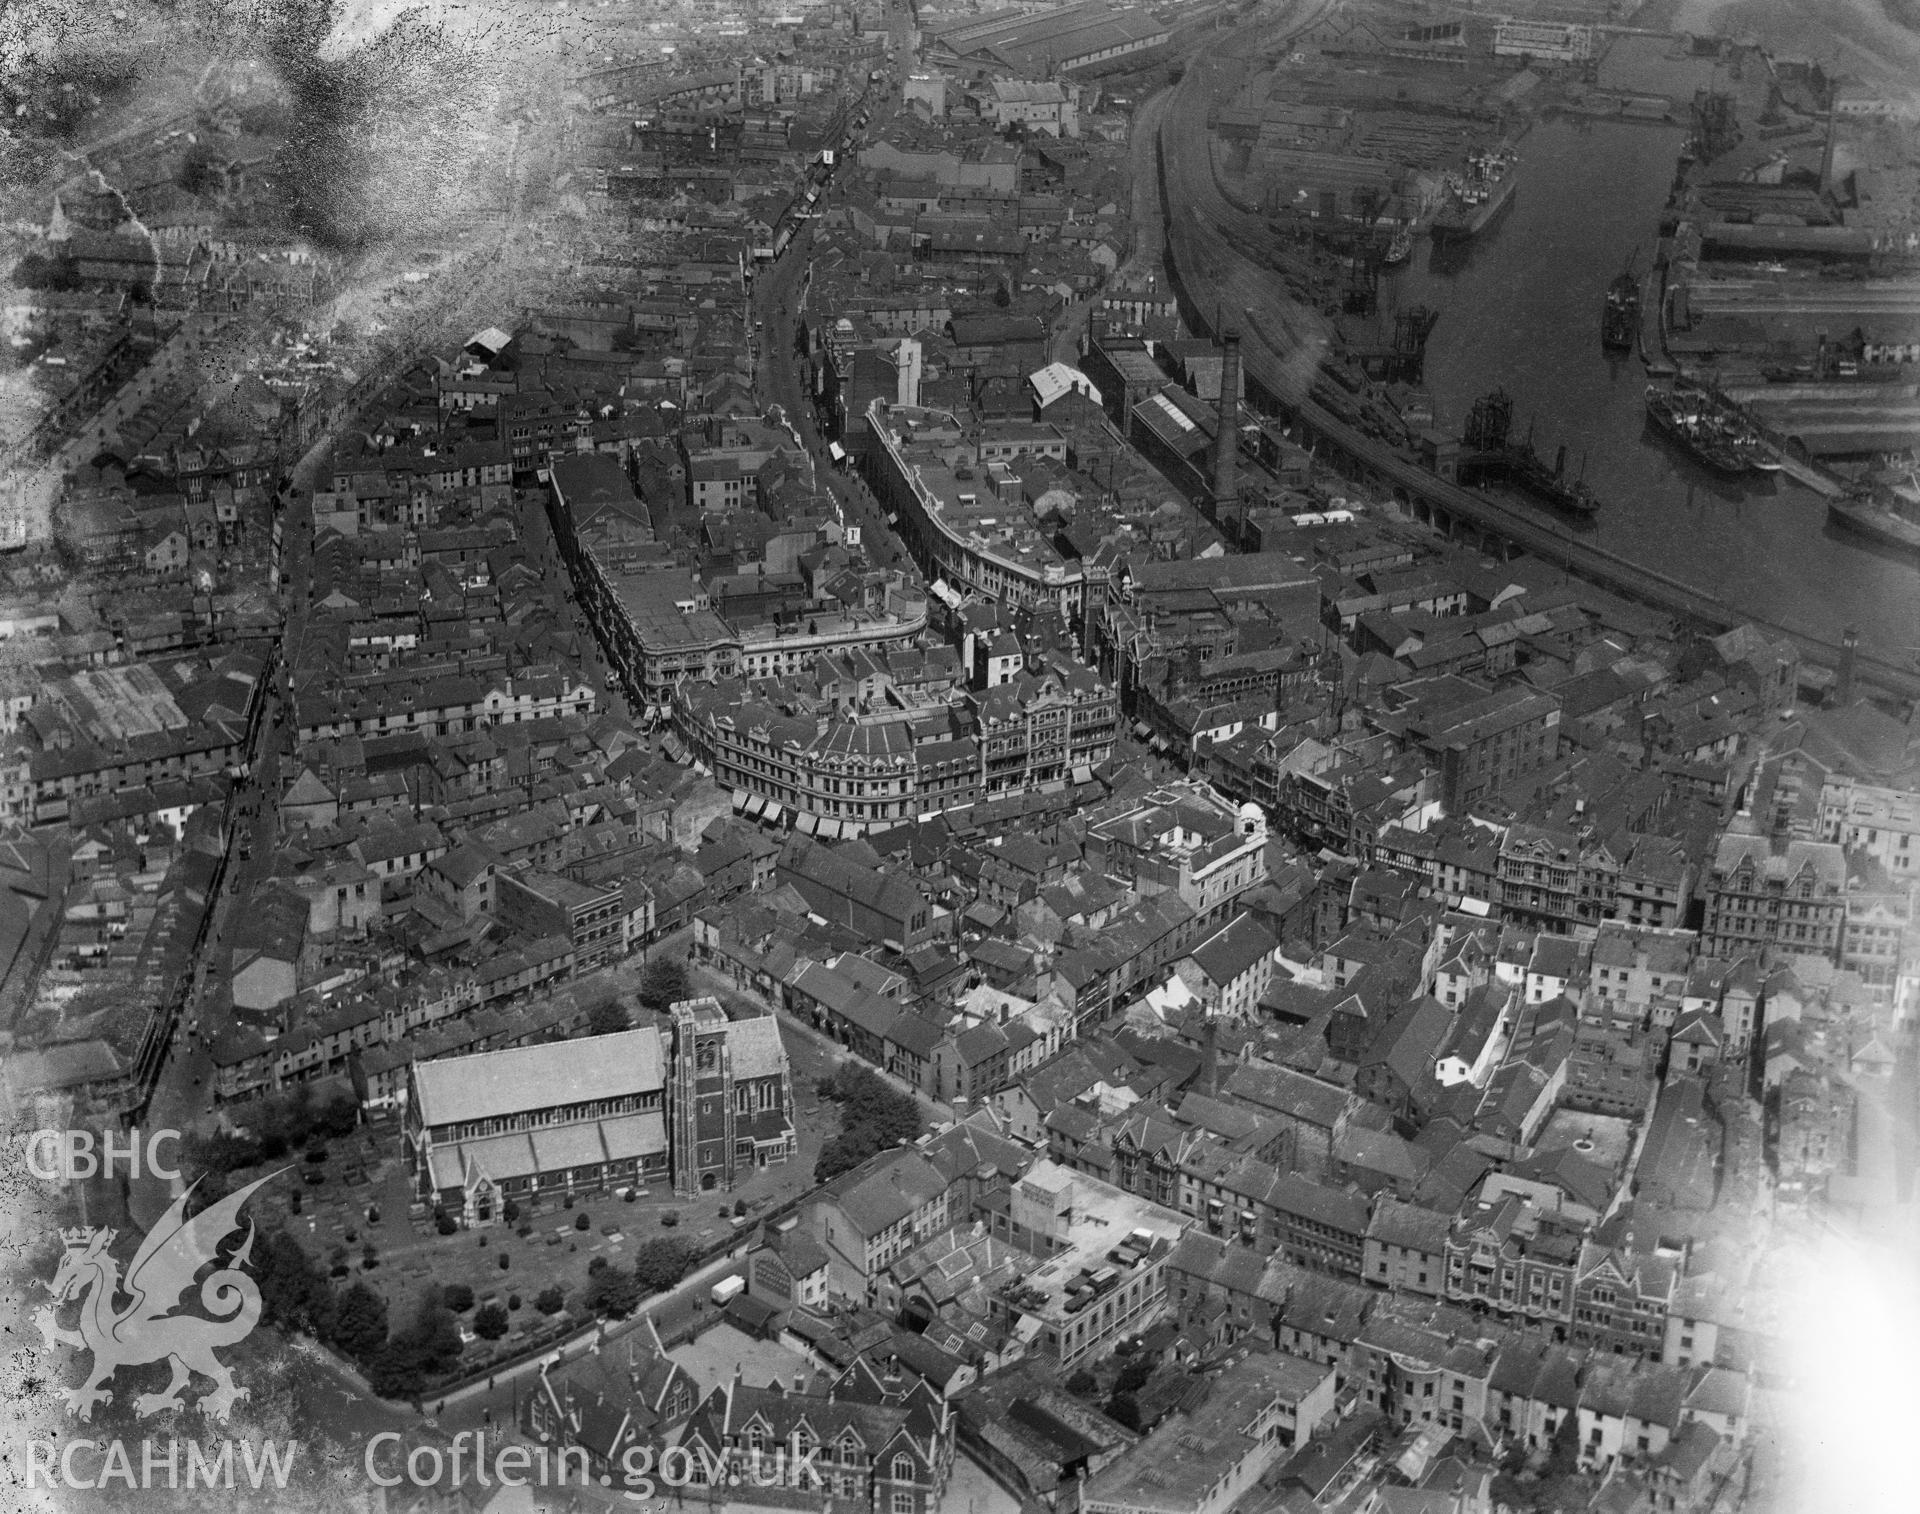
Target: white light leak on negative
1852	1409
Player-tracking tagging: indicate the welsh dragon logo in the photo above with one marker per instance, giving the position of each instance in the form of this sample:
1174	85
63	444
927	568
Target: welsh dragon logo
147	1329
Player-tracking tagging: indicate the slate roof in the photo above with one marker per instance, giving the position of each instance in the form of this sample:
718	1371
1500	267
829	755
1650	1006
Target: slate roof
489	1084
1285	1091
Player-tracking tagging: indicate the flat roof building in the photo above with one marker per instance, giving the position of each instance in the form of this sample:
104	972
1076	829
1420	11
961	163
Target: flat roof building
1105	1270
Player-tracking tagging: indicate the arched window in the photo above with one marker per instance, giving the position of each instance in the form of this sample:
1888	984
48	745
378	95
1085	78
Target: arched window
903	1468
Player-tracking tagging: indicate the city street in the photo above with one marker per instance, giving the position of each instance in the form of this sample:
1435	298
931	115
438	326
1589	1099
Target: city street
183	1092
776	302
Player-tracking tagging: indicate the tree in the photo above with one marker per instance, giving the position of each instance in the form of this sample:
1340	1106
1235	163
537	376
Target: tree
490	1323
841	1154
337	1117
294	1293
208	1190
458	1297
612	1292
550	1300
396	1371
427	1349
581	1221
1082	1384
607	1017
288	1118
219	1153
868	1101
661	1262
1133	1376
874	1115
1563	1451
664	983
1123	1411
360	1323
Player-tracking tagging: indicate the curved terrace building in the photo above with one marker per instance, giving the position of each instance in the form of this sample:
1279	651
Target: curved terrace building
963	515
845	767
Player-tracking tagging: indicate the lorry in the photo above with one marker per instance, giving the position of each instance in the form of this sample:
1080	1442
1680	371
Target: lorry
728	1289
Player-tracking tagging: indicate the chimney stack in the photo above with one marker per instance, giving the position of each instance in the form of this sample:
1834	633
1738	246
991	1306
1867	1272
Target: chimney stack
1843	685
1226	442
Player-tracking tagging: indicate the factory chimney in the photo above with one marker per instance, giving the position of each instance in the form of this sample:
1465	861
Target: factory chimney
1826	154
1843	684
1226	442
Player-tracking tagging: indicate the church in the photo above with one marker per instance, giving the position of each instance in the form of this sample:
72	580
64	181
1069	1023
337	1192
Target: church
696	1102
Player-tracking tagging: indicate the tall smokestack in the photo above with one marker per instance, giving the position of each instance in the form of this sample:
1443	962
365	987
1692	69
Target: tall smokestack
1226	443
1826	154
1843	684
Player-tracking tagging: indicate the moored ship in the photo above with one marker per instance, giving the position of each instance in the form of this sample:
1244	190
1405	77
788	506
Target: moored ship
1528	472
1620	314
1712	434
1475	198
1490	455
1877	522
1469	211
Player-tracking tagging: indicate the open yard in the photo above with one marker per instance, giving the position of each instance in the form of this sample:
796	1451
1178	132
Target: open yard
1603	1139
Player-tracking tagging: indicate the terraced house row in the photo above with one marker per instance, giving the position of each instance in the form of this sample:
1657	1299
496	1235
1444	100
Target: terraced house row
1424	1362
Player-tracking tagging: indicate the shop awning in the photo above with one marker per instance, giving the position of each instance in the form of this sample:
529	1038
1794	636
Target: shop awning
774	812
756	807
1142	729
806	822
740	798
1083	774
829	829
837	452
675	752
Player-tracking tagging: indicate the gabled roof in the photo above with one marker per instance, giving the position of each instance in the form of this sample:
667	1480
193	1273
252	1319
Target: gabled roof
490	1084
1234	950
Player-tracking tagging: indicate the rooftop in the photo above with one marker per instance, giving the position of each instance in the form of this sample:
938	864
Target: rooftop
1096	1221
1182	1463
492	1084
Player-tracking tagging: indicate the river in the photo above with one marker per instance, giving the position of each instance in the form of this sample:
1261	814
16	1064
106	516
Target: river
1520	308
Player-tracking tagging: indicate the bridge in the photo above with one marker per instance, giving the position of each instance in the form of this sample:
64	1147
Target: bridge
1220	284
